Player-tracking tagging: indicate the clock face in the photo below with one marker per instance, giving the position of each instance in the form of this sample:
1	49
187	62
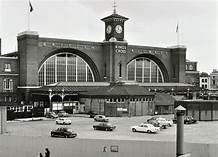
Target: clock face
108	29
119	29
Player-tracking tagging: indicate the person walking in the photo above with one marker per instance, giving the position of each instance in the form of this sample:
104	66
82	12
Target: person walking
40	155
47	152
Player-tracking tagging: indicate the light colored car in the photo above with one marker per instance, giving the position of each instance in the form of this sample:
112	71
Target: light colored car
64	121
101	118
170	122
161	121
145	127
51	115
63	114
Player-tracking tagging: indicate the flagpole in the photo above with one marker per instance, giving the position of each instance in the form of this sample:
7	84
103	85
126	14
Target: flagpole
28	20
30	10
177	33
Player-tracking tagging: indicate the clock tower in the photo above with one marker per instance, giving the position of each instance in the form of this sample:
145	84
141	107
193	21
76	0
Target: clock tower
114	27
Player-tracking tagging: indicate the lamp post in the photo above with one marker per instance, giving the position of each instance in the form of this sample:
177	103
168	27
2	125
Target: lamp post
172	91
62	98
188	93
180	112
50	96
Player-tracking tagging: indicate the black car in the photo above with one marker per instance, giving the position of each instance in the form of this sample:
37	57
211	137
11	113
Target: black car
92	114
104	126
63	132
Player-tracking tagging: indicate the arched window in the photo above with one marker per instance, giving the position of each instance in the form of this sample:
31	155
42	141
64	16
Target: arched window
144	70
64	67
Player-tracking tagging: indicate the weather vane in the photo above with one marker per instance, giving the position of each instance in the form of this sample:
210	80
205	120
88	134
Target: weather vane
114	6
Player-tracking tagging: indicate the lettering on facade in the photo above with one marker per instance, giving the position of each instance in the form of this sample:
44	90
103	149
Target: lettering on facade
66	45
153	52
120	48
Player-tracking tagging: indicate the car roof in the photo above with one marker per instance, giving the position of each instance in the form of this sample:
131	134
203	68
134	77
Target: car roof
146	124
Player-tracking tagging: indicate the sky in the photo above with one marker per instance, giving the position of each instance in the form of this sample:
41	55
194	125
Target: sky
151	23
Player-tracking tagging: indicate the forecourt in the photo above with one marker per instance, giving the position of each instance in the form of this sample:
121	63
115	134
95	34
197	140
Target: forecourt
29	138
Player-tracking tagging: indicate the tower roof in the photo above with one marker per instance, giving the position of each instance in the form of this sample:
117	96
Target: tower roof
115	16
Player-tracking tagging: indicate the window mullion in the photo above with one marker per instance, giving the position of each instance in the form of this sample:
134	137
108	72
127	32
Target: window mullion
150	71
86	73
55	68
135	71
66	67
143	65
76	67
45	73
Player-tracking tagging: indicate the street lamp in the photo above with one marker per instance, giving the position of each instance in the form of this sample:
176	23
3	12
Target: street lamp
172	91
180	112
188	93
50	96
62	97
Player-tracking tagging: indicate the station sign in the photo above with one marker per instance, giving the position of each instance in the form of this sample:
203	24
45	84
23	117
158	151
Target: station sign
120	48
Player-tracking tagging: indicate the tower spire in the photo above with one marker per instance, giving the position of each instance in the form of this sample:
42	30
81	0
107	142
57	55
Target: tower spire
114	6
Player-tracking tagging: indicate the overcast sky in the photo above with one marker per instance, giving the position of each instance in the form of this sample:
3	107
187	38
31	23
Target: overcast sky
151	23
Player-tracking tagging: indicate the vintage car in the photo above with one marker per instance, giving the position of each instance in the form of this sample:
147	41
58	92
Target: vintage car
63	132
101	118
64	121
162	123
104	126
145	127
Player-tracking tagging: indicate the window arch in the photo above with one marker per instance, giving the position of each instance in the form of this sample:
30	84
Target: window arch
64	67
144	70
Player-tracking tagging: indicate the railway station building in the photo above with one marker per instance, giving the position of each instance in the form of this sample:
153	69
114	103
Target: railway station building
111	77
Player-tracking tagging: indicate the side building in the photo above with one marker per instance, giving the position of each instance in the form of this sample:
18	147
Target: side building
191	73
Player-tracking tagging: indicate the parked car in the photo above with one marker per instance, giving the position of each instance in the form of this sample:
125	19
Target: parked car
169	121
51	115
104	126
64	121
92	114
187	120
63	114
161	121
63	132
145	127
101	118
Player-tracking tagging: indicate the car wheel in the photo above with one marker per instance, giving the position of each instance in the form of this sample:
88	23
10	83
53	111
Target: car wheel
133	129
148	131
56	122
52	135
106	129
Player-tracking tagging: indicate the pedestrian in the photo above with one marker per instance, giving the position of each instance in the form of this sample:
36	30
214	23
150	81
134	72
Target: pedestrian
40	155
47	152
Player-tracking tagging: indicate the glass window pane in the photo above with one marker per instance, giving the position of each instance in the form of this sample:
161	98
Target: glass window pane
76	69
146	71
131	71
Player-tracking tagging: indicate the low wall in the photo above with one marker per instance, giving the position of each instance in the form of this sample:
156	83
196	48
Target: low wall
31	146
